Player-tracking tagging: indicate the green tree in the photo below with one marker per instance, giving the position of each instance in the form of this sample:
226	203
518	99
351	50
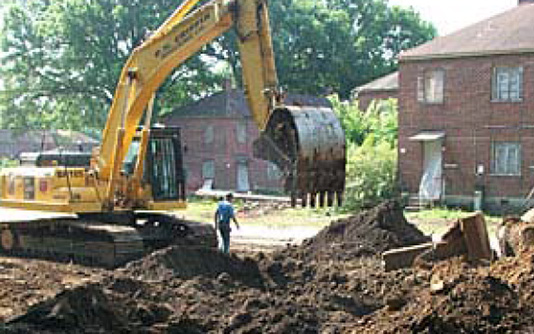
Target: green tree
380	119
333	46
62	59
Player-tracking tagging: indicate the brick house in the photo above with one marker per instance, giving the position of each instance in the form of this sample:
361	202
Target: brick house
466	114
13	142
217	133
383	88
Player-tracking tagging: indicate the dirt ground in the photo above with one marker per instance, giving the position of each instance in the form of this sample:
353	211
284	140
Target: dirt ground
332	282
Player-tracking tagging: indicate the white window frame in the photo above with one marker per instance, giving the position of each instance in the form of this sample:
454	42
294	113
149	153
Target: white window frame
431	86
506	158
507	84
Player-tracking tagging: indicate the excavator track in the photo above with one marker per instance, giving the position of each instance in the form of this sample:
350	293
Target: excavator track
96	243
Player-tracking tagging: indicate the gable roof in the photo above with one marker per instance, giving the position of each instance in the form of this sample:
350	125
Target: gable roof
388	82
232	103
508	32
55	137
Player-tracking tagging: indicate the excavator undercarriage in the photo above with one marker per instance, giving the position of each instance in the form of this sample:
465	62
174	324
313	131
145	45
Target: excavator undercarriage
98	240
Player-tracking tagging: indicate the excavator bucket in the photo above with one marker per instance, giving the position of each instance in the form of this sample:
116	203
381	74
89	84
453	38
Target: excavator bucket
308	146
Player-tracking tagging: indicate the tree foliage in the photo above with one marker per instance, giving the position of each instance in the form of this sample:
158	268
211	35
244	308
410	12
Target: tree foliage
380	119
61	59
339	44
371	151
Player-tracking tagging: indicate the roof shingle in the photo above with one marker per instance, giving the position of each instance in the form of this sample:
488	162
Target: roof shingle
508	32
232	103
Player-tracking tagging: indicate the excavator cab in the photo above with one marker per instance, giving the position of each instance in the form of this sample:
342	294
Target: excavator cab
164	166
308	146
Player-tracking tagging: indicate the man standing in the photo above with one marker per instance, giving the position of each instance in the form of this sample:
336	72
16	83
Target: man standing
223	215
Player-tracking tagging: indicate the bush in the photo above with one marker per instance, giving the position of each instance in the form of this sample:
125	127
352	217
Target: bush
371	173
371	151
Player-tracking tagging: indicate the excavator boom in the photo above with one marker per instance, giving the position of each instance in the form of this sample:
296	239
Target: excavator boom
306	143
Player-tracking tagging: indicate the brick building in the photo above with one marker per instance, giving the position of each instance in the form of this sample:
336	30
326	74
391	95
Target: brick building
383	88
14	142
218	132
466	114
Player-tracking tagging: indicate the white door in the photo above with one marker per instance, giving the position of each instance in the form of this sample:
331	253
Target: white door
242	177
431	181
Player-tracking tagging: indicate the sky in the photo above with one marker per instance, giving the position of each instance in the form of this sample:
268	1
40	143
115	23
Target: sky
451	15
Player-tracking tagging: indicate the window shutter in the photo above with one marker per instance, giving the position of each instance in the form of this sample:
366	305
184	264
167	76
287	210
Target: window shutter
439	86
520	83
421	88
208	134
494	85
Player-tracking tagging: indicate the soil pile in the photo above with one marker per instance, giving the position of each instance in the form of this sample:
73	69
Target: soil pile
189	262
455	298
86	307
24	282
311	299
184	290
366	233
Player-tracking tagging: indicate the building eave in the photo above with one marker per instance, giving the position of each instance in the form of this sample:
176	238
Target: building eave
459	55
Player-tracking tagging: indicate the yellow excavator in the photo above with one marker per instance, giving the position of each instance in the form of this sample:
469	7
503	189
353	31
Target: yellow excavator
113	205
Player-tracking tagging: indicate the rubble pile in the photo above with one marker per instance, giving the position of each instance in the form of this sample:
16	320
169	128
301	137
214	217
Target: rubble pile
326	285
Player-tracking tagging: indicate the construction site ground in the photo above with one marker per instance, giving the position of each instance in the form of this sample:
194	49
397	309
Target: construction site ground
277	280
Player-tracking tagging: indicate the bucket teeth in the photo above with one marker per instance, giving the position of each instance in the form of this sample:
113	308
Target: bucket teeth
322	199
308	146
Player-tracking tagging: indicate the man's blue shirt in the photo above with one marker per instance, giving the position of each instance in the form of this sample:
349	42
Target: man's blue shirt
225	212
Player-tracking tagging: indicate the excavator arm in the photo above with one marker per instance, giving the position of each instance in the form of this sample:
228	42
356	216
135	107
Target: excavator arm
306	143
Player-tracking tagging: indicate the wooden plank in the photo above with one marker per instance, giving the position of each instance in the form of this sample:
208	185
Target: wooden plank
403	257
476	237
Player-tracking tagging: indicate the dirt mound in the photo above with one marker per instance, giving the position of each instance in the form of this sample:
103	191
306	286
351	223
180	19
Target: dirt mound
185	290
187	263
82	307
366	233
297	297
455	298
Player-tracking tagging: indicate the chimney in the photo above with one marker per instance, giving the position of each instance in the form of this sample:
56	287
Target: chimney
524	2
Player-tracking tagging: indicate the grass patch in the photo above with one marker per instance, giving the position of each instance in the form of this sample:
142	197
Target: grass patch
437	220
430	221
204	210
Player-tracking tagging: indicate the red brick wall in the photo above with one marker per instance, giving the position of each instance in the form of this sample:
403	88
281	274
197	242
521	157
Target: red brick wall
366	97
471	122
225	151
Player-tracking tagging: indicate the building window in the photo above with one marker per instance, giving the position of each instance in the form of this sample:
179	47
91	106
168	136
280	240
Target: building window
430	86
241	132
273	172
506	158
208	134
208	169
507	84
